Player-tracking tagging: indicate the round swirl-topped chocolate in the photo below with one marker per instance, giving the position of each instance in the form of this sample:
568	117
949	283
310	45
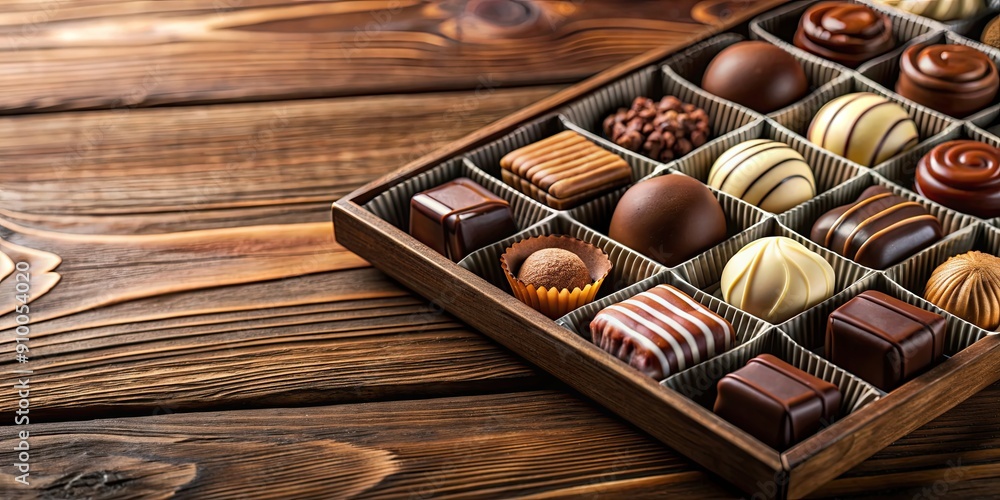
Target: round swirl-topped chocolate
954	79
963	175
847	33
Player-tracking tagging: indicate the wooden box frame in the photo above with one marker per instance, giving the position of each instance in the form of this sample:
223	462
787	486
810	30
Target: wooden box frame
666	415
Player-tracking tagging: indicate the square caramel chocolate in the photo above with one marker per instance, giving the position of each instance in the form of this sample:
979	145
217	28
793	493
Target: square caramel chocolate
564	170
776	402
460	217
883	340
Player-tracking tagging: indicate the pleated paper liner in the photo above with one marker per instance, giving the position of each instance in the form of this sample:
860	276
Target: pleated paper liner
554	302
487	158
589	112
779	25
884	70
903	169
705	271
745	325
690	65
596	215
628	267
913	273
829	170
802	218
394	204
699	383
797	118
809	329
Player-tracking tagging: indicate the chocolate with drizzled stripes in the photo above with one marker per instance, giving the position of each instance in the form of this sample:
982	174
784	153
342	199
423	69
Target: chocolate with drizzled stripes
864	128
878	230
765	173
662	331
564	170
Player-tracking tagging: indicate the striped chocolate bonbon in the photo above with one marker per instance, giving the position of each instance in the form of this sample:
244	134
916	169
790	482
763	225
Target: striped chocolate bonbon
878	230
662	331
864	128
765	173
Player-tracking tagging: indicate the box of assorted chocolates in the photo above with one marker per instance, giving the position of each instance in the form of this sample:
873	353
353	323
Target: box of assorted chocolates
777	250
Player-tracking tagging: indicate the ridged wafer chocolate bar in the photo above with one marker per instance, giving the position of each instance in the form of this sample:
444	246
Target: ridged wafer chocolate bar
662	331
564	170
878	230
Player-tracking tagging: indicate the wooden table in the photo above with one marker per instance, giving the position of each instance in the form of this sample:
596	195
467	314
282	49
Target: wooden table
167	172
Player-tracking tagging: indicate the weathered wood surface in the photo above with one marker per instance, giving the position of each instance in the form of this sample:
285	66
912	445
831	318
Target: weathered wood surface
59	54
541	444
188	264
180	169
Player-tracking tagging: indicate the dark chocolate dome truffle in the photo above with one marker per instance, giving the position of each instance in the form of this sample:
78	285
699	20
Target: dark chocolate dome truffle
954	79
757	75
669	219
963	175
554	268
844	32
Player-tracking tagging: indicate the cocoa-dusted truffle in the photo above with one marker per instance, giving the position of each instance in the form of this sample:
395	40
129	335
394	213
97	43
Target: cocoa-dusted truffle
991	35
664	130
757	75
968	286
669	219
554	268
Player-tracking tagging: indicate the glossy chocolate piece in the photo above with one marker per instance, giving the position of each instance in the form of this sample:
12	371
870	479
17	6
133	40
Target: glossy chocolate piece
757	75
776	402
864	128
564	170
883	340
954	79
963	175
459	217
669	219
941	10
968	286
776	278
844	32
764	173
878	230
662	331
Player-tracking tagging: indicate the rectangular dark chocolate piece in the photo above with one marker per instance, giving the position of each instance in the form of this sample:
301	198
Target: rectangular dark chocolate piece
776	402
883	340
460	217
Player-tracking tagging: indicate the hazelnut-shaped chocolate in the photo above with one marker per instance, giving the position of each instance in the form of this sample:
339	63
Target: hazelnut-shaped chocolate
968	286
554	268
757	75
669	219
954	79
844	32
963	175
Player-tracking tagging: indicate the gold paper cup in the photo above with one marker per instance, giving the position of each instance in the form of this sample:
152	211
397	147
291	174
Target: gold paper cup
552	302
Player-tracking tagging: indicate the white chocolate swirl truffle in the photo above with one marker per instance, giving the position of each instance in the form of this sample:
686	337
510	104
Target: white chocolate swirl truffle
864	128
942	10
765	173
777	278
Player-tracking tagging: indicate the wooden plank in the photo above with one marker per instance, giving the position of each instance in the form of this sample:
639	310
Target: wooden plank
122	54
178	169
542	444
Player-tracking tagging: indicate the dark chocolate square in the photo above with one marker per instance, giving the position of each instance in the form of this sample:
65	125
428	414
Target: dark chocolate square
459	217
883	340
776	402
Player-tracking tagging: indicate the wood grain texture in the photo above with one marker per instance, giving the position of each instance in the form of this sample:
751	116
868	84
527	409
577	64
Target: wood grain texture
542	444
189	51
179	169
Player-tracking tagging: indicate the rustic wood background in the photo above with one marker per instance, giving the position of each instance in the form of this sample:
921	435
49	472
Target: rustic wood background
197	332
